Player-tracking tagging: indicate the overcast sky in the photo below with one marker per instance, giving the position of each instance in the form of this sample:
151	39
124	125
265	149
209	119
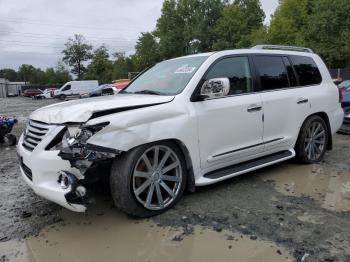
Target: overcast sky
34	31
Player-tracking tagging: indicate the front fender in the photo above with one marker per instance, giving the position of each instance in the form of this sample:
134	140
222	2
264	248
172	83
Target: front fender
133	128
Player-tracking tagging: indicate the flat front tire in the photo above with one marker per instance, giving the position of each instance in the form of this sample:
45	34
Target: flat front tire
149	179
312	142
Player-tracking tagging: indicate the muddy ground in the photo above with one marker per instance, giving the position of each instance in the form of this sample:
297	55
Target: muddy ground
288	212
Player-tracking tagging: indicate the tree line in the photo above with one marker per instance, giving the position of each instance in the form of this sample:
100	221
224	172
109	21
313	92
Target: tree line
196	26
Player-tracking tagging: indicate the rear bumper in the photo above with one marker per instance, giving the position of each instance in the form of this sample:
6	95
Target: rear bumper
40	170
336	119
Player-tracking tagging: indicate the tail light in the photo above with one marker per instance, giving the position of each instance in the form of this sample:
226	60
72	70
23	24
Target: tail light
340	91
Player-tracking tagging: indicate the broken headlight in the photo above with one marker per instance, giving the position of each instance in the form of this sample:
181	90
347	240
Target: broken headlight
74	135
73	146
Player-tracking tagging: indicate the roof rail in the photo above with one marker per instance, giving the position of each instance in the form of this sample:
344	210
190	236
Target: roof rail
284	47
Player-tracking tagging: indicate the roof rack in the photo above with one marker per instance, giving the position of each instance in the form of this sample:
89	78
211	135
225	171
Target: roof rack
284	47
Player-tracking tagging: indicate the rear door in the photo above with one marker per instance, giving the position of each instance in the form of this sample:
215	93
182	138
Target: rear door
230	128
285	105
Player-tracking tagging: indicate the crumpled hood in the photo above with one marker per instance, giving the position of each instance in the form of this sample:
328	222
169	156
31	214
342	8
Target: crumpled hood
80	111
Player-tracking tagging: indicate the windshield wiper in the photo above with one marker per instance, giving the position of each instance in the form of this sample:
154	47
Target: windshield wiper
149	92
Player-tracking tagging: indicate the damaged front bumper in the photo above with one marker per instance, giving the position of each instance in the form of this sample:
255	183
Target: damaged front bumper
41	171
54	175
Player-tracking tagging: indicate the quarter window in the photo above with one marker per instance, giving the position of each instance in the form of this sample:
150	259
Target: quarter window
237	70
272	72
306	70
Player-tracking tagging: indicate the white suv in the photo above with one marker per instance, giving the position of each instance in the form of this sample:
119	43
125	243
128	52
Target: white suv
185	122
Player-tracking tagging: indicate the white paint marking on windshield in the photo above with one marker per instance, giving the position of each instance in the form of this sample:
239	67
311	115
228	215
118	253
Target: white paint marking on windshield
185	69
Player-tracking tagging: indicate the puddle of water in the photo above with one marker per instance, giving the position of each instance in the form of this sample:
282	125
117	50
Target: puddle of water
331	188
115	237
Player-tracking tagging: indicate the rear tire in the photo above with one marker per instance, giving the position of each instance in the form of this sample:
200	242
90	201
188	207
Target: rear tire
312	142
149	179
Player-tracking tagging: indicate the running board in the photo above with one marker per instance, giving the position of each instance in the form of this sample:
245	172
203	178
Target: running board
250	165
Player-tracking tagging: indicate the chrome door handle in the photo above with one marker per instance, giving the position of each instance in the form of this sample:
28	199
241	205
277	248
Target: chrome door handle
254	108
302	101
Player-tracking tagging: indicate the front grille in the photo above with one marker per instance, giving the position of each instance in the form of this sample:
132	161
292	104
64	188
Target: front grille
35	132
27	171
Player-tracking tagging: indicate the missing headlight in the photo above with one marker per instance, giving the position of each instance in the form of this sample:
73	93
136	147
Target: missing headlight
57	140
73	146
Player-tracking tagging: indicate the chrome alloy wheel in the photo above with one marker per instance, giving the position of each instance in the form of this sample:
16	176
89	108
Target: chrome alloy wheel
157	177
315	141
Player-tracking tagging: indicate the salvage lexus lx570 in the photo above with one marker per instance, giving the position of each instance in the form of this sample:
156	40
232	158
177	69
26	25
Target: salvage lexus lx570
185	122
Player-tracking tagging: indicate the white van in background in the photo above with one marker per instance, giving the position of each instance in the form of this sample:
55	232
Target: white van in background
75	88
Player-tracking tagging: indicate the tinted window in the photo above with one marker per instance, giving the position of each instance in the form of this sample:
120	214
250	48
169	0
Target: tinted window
291	75
237	70
272	72
306	70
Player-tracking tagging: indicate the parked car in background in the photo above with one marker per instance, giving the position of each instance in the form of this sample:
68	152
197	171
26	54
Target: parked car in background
345	84
95	92
345	129
345	92
110	90
32	92
47	93
116	87
186	122
75	89
12	95
121	84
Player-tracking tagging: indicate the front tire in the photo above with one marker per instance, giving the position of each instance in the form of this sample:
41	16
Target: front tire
62	97
149	179
312	142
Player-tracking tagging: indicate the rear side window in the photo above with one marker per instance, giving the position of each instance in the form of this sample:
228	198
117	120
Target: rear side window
237	70
272	72
306	70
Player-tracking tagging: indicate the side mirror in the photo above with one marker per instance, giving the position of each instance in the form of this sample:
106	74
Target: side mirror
214	88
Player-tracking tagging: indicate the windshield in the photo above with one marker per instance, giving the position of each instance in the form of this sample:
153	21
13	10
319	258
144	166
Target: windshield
166	78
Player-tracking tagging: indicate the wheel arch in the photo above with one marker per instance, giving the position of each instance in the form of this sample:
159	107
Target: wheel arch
325	117
189	166
190	183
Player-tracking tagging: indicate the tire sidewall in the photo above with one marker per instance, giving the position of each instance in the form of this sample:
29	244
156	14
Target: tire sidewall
300	145
121	180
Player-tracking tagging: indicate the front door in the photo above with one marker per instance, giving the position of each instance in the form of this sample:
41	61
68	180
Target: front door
230	128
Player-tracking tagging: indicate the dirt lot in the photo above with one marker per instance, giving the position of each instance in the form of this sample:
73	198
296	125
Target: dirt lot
287	212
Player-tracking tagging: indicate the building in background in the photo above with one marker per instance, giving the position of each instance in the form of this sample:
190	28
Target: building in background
3	90
10	88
